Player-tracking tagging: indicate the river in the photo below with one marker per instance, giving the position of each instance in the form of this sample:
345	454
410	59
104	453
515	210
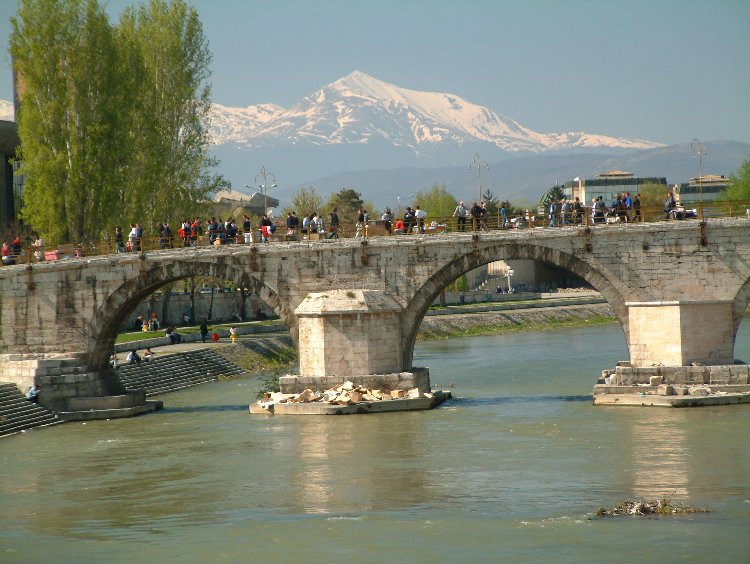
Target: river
510	470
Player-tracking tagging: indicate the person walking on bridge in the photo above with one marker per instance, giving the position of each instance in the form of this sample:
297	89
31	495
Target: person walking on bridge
460	214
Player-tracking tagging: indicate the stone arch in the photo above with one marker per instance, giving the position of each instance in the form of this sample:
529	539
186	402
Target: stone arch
611	289
739	307
103	328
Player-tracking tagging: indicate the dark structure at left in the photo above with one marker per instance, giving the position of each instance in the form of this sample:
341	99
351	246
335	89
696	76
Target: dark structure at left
9	193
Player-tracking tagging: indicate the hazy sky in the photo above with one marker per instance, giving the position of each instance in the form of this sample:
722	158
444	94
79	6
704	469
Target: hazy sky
663	70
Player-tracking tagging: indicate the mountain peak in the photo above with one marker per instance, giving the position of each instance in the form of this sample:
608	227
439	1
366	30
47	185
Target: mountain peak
359	83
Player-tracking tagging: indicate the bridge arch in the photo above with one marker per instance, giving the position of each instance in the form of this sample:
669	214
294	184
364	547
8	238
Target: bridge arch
609	285
113	311
739	307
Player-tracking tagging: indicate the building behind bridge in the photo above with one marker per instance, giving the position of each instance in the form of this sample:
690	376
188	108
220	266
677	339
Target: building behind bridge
10	183
705	188
607	185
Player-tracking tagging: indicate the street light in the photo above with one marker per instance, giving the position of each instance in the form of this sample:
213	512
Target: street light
264	174
699	152
478	163
398	199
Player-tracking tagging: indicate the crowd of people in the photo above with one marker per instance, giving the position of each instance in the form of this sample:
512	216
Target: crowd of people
623	208
11	252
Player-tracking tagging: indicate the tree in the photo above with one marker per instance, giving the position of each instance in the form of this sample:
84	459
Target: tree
112	120
652	197
347	201
306	201
170	167
65	58
490	202
514	210
739	187
438	202
556	194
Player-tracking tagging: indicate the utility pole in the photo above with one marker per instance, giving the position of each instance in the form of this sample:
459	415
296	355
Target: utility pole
698	153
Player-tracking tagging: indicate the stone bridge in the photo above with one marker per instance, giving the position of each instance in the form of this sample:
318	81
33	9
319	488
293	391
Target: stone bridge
353	307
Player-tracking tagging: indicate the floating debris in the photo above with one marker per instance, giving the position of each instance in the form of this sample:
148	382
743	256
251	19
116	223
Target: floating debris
663	506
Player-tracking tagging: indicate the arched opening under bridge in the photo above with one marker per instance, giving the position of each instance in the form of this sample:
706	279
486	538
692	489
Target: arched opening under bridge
111	316
612	289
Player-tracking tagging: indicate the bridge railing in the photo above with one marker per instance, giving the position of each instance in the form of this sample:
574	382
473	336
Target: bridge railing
531	219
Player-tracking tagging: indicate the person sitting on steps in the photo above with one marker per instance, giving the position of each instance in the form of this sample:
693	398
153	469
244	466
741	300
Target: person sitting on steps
133	357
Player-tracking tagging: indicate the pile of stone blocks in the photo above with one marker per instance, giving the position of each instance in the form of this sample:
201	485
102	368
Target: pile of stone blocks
347	393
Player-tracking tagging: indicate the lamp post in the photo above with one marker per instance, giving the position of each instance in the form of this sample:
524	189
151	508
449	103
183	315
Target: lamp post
698	153
264	174
478	164
398	199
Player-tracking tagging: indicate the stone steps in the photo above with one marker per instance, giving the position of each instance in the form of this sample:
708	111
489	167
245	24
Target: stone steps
174	372
19	414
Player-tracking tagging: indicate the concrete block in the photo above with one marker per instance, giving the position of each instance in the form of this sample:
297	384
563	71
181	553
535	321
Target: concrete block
699	391
665	390
655	380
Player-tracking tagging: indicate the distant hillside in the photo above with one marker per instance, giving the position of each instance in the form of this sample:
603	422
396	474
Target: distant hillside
529	177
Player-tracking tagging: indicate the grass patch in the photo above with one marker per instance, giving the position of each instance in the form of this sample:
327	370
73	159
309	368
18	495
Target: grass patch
143	335
548	324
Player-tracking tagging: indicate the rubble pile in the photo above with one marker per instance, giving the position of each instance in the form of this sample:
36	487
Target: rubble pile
347	393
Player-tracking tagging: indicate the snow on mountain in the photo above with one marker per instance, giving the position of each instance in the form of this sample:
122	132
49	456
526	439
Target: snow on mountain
6	110
236	124
360	109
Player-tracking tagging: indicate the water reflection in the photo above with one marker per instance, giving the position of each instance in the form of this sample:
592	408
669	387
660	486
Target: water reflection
660	453
359	463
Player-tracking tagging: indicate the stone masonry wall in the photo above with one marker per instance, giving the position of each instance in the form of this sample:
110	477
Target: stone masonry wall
76	305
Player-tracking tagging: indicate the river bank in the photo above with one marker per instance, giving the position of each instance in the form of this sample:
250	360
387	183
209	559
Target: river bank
441	324
512	321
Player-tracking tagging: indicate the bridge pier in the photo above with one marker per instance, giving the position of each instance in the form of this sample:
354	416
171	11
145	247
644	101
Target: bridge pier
680	333
352	335
681	354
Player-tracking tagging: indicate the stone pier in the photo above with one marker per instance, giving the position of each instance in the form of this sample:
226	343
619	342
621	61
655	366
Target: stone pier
352	335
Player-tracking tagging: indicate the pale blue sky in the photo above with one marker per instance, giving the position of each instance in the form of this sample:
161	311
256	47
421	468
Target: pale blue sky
663	70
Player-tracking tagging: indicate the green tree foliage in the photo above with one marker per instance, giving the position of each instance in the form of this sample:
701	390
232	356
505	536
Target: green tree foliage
556	193
172	108
460	284
739	189
438	202
306	201
652	198
112	119
347	201
490	202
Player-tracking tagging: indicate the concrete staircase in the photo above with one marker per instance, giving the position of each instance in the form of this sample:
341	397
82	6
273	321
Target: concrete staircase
173	372
18	414
491	283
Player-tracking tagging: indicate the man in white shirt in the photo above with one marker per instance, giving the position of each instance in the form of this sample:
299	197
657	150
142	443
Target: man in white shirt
420	215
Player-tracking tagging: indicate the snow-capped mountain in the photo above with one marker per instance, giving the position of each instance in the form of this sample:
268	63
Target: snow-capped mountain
237	124
359	109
